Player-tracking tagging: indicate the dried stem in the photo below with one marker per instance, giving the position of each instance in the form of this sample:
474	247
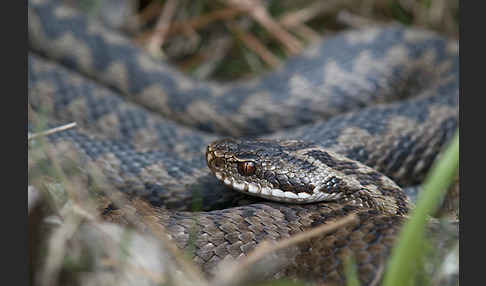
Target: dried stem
238	271
303	15
204	20
258	12
52	131
254	44
162	27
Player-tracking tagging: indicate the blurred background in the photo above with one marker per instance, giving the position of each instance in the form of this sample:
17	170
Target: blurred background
231	39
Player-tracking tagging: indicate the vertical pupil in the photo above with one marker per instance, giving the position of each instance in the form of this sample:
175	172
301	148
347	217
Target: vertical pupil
246	168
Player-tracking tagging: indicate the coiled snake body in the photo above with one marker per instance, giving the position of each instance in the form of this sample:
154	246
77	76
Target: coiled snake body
334	120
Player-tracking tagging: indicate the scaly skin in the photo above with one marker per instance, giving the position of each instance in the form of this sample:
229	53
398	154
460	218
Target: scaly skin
147	127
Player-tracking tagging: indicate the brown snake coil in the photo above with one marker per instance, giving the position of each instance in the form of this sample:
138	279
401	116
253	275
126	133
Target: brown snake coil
340	122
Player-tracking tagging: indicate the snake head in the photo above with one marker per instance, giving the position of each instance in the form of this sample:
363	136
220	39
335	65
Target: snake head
270	169
300	172
260	168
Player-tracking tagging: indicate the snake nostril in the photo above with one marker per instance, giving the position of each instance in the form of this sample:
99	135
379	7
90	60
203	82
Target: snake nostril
218	162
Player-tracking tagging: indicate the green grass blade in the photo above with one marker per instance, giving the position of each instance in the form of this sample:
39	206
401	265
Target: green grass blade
410	241
351	272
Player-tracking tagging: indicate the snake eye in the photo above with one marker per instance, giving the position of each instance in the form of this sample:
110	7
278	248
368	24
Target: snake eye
246	168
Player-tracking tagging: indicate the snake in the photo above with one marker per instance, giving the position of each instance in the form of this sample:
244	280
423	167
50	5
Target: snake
344	127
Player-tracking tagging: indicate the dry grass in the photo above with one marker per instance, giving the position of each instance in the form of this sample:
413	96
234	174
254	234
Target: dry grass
263	33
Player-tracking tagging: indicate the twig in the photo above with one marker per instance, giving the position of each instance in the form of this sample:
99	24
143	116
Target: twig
195	23
51	131
355	21
258	13
379	274
162	27
254	44
267	248
291	19
237	272
295	20
306	32
155	277
204	20
159	231
56	249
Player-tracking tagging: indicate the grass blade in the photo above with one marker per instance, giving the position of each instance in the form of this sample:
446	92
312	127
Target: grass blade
410	241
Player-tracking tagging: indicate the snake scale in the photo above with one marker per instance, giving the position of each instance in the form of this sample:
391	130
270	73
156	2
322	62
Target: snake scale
331	123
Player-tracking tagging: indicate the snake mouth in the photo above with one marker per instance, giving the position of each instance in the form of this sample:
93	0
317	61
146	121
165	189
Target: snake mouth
274	194
256	190
216	163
